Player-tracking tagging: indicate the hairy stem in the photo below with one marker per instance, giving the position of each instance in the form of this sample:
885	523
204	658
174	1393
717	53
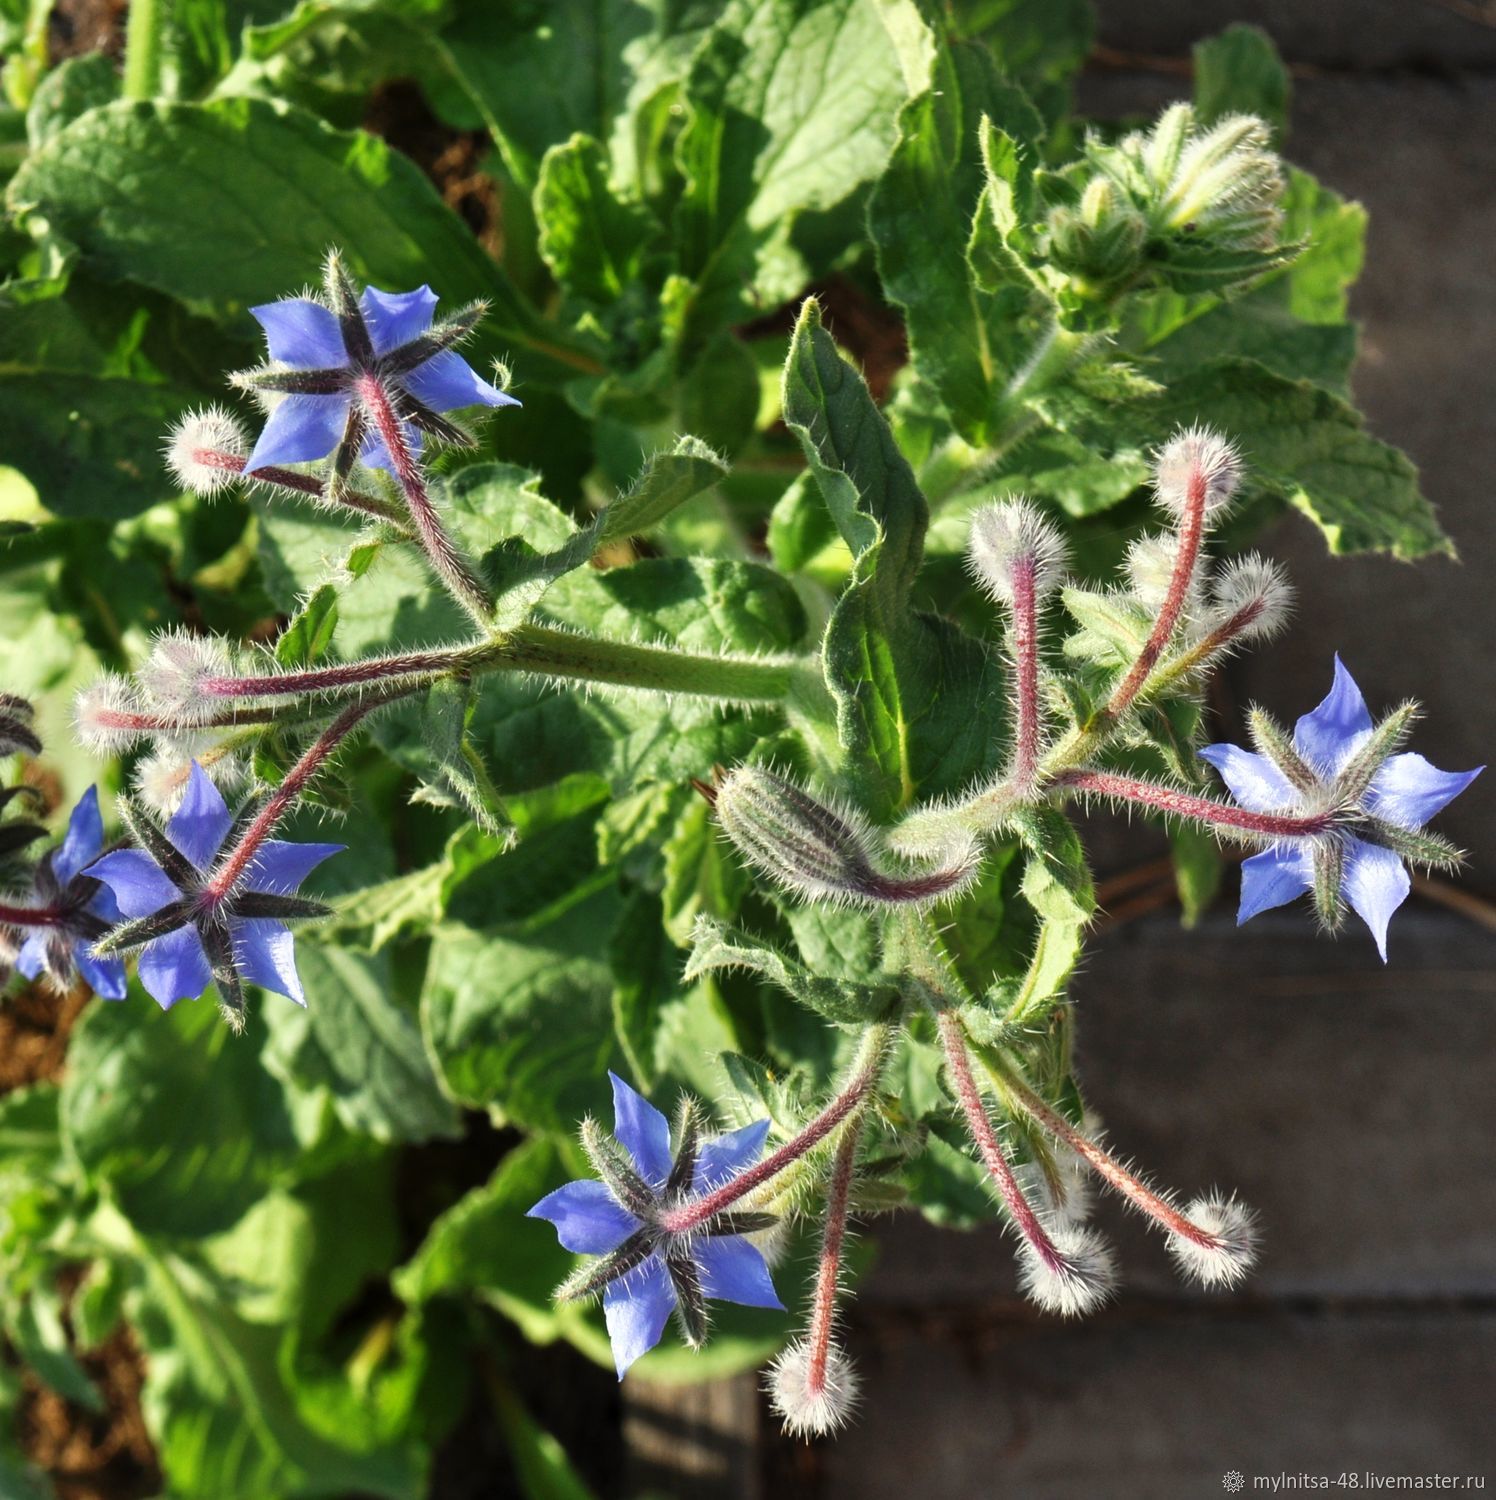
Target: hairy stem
30	916
1188	805
866	1070
143	28
828	1267
305	487
454	569
1025	636
1105	1165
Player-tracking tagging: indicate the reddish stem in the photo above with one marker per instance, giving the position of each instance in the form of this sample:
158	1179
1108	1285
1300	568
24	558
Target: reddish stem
693	1215
345	675
306	485
1191	532
118	718
828	1269
30	916
1026	673
232	867
1188	805
993	1157
451	566
1109	1168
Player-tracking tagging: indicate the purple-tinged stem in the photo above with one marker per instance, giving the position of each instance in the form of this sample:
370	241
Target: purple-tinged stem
1026	672
994	1159
1105	1165
1187	805
413	666
446	558
307	486
1191	533
694	1214
231	868
828	1267
30	916
145	723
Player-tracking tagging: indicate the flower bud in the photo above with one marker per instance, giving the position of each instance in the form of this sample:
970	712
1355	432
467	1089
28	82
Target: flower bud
1197	467
1150	571
1079	1281
1252	597
174	680
107	715
201	449
1233	1252
812	1407
1008	536
821	852
161	778
1227	185
16	733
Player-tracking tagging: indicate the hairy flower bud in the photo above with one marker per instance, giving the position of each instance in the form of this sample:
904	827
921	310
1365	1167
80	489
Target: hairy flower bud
1251	598
813	1402
1150	565
1197	466
821	852
1079	1281
1233	1249
162	777
1007	537
173	680
107	714
202	449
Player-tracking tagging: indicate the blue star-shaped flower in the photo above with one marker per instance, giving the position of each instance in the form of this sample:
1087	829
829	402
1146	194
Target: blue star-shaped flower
319	352
648	1271
188	936
1339	761
83	909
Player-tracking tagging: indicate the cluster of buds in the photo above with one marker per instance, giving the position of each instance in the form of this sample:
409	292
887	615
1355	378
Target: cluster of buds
1184	206
1334	809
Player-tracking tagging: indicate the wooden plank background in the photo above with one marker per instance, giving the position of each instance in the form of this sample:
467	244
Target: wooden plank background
1352	1104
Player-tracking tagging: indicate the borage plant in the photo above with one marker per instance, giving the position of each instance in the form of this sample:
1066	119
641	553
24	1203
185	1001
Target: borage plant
740	764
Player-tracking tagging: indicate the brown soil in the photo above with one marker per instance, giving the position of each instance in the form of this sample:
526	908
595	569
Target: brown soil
79	26
452	159
103	1455
34	1027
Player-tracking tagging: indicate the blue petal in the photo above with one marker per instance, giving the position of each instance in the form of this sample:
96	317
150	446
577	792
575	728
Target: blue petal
727	1155
395	318
1273	878
32	958
587	1219
103	905
105	976
175	967
1329	735
375	455
301	333
1408	791
641	1128
298	430
447	380
83	840
279	867
732	1270
139	884
202	821
1253	779
1376	883
265	954
636	1308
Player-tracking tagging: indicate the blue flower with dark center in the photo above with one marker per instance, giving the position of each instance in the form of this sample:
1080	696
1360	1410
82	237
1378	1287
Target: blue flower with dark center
193	928
1340	762
323	353
78	909
650	1269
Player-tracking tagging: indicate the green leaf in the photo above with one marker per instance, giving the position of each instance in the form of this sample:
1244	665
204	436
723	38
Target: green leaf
962	335
1198	869
139	1079
120	180
357	1041
1312	449
791	108
1240	72
536	1049
702	875
591	238
309	635
646	975
75	86
1057	879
